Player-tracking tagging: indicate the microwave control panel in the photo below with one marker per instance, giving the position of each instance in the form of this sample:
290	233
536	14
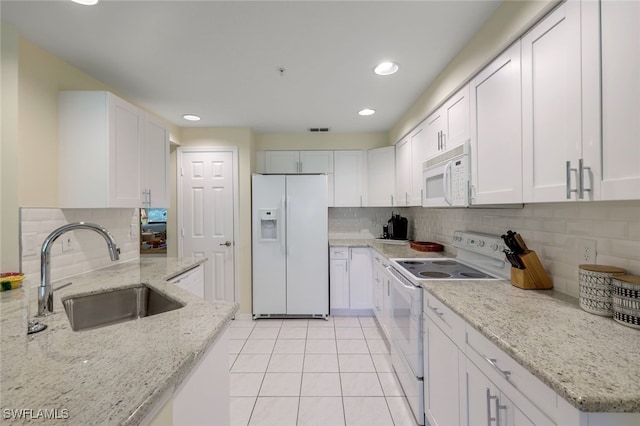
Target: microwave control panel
458	182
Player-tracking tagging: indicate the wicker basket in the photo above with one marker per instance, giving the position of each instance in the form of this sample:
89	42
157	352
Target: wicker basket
596	288
626	300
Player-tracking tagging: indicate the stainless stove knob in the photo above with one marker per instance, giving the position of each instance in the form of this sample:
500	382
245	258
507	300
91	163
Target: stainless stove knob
481	243
494	247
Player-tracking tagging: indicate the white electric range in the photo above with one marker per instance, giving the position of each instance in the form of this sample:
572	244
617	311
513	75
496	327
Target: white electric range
479	257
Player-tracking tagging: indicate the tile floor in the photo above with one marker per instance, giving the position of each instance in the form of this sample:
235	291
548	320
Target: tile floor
313	372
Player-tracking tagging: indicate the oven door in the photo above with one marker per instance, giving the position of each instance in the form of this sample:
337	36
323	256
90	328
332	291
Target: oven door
406	340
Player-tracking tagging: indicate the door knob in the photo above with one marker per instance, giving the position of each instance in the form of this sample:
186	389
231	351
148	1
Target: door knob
227	243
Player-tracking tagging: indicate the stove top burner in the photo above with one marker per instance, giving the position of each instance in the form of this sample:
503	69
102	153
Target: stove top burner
434	274
441	269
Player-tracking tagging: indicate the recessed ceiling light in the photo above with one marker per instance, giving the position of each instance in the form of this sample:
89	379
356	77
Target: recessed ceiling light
86	2
191	117
386	68
367	111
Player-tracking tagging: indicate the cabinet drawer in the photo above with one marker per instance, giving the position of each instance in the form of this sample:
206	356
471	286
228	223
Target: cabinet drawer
507	374
445	318
338	252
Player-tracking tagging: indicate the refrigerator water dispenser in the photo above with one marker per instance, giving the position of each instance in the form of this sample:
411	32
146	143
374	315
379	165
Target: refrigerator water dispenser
269	224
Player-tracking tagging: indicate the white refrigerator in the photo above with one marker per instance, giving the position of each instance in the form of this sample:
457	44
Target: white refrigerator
290	246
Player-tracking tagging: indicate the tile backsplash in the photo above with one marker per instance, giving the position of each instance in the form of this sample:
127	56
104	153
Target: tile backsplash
556	231
356	222
89	248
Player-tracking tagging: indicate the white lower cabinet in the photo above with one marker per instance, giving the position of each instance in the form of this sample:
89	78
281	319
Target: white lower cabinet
381	292
350	280
444	402
469	381
202	398
191	280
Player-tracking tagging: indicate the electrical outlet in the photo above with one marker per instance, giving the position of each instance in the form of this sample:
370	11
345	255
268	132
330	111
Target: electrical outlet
133	232
587	251
30	244
68	243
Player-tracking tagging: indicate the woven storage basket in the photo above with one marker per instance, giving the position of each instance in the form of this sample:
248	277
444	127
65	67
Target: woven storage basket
596	288
626	300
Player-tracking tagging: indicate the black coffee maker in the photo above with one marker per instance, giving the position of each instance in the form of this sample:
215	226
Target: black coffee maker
397	227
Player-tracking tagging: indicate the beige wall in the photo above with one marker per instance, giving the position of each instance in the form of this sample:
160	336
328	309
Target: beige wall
320	141
9	258
244	139
504	27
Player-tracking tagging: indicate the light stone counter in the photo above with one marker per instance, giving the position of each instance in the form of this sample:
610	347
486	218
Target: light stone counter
589	360
110	375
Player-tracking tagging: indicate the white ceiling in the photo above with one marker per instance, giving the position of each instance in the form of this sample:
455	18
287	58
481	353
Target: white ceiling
220	59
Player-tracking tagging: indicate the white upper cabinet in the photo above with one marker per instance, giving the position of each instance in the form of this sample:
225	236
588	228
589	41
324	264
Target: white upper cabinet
457	112
410	154
316	162
418	154
560	105
403	172
291	162
448	127
350	178
381	171
100	147
282	161
620	24
155	163
496	131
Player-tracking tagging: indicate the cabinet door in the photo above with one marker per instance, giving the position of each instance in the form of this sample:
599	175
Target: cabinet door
282	161
482	397
316	162
125	149
552	104
339	283
192	281
360	281
403	172
418	154
155	163
381	172
434	127
496	131
349	179
457	111
442	392
620	22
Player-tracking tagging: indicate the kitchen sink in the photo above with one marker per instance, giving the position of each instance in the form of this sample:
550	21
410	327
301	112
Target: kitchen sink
116	306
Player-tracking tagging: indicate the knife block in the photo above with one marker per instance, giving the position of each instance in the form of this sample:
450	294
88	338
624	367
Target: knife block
533	277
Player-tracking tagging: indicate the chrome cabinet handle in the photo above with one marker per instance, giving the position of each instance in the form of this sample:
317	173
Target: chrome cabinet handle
489	398
581	188
569	190
494	363
435	311
498	408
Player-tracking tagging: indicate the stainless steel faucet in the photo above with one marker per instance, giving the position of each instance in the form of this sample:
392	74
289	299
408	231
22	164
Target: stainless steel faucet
45	291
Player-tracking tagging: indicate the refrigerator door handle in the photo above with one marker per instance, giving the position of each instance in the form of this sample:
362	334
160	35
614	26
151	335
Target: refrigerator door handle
288	203
281	228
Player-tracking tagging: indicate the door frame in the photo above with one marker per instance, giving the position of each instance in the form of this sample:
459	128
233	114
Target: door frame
236	203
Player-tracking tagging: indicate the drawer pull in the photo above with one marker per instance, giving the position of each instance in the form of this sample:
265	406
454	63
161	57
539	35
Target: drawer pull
435	311
489	398
493	363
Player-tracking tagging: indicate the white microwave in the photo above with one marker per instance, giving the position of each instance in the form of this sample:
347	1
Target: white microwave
446	178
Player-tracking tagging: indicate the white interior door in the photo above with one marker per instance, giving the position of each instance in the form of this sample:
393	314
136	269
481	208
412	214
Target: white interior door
206	204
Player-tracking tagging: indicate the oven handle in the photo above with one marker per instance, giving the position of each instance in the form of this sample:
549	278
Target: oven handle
392	272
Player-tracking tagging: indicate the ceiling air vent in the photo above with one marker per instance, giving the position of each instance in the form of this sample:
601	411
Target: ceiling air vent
318	129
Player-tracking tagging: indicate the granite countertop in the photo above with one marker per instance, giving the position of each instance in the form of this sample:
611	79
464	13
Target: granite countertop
589	360
110	375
